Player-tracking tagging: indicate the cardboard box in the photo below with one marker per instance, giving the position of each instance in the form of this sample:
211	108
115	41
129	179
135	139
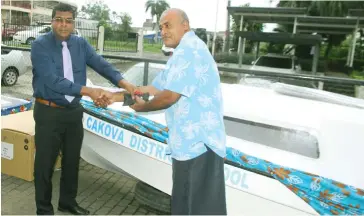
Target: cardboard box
17	145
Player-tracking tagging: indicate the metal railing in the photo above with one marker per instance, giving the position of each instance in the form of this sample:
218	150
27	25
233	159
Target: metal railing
223	68
238	70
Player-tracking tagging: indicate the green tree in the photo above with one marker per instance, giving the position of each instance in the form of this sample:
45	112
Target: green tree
125	26
156	8
201	33
114	17
95	10
98	10
126	22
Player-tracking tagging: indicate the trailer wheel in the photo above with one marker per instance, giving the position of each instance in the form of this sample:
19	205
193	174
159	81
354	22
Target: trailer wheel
152	198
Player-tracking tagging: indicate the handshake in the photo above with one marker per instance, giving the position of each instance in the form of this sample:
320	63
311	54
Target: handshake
103	98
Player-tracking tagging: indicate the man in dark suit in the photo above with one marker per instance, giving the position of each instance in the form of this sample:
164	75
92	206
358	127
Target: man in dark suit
59	77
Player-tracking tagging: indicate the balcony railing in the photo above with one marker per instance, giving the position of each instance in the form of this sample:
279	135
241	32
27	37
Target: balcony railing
20	4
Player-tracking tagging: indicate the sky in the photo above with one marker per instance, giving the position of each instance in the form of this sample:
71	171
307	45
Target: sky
201	13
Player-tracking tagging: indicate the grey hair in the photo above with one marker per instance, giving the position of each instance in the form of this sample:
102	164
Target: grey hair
179	11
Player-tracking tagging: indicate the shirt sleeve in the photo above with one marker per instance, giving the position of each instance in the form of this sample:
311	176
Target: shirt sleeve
158	82
45	70
181	75
101	66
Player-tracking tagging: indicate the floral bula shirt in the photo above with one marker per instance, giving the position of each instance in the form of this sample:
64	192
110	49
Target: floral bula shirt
196	119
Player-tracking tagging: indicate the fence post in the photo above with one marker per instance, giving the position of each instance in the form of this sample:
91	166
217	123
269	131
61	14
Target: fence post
145	75
101	39
320	83
359	92
3	29
140	42
224	43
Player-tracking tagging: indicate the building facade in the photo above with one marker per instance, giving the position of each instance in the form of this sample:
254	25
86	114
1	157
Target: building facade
29	12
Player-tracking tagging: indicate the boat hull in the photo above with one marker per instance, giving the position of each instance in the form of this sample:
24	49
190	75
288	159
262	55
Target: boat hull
241	186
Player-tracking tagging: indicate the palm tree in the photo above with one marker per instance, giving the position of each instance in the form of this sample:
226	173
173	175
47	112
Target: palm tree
156	8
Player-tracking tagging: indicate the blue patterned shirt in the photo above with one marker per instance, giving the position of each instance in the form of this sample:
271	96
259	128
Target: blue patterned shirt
196	119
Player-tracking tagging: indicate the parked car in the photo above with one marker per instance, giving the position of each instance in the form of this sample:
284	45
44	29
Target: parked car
275	63
12	66
28	36
135	74
9	30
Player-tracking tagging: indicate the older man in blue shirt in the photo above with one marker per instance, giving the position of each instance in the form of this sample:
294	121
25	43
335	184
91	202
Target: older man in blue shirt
59	77
189	90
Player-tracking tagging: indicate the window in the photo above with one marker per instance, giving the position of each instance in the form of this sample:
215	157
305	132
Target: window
296	141
5	2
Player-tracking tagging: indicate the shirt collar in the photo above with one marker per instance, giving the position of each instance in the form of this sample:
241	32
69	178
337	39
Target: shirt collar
59	42
187	35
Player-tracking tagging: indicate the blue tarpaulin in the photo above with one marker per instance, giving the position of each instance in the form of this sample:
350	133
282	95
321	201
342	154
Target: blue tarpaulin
10	105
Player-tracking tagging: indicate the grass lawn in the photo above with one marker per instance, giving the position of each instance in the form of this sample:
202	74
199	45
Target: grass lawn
156	48
357	75
127	46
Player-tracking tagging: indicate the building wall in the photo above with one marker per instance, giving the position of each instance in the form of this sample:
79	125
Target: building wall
40	12
5	15
15	17
32	12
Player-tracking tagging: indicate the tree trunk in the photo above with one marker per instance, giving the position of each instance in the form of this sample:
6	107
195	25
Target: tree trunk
157	30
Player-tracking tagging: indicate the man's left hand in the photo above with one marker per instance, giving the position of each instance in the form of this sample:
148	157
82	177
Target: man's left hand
139	104
128	87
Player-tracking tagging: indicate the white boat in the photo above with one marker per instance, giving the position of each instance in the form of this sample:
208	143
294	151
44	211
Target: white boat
302	130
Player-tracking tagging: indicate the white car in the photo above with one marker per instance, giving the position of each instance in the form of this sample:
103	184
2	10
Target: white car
275	63
28	36
13	65
135	74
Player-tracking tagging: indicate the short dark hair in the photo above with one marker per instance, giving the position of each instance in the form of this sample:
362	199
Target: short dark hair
64	8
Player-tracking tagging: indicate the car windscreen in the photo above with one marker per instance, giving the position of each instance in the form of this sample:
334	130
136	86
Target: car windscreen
284	63
135	75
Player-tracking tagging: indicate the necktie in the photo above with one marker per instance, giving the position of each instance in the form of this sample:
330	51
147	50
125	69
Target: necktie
67	67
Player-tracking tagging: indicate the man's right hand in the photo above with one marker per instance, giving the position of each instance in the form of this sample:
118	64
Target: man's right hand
106	98
97	95
102	97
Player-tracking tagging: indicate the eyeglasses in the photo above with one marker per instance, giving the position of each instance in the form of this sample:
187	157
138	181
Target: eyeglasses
61	20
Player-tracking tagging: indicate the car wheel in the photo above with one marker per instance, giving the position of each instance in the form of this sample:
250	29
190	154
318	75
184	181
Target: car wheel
30	41
10	76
